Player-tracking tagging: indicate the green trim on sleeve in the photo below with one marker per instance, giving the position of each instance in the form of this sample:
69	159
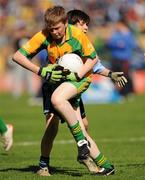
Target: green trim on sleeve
30	56
23	52
93	55
26	54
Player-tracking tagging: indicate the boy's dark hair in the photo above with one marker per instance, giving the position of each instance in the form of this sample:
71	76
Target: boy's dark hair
74	16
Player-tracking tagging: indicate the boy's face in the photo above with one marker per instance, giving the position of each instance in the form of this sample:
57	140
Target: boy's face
82	25
58	30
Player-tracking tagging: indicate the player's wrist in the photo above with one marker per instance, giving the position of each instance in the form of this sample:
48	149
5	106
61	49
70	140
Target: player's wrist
110	74
77	77
40	71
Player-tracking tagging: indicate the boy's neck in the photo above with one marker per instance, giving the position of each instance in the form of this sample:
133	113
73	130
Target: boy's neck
61	40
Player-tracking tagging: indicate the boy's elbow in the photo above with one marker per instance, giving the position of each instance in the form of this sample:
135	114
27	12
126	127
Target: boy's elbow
15	57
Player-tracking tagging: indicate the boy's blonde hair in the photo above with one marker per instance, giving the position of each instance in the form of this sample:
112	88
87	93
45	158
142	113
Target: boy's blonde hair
54	15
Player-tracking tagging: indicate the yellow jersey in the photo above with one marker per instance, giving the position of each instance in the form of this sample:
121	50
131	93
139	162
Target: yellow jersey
75	42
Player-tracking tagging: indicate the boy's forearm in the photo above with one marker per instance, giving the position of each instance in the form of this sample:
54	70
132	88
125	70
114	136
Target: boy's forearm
88	66
20	59
104	72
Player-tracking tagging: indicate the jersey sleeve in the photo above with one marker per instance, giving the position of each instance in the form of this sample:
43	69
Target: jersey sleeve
87	48
33	46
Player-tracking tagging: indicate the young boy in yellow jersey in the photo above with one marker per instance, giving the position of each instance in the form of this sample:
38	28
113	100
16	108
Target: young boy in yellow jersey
60	38
81	20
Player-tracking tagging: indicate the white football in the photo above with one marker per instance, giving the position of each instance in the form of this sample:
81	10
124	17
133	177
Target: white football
71	61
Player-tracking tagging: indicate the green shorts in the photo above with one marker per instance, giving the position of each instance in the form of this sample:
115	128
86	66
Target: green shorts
81	86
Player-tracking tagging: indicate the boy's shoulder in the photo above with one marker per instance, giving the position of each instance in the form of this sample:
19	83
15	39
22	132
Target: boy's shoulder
75	30
42	35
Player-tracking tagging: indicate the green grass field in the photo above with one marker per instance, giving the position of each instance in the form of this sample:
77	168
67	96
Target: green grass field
118	129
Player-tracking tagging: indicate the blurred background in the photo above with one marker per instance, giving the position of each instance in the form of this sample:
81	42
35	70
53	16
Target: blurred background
19	20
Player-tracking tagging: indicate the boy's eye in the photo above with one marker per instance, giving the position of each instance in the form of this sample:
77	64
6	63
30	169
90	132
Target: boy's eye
82	23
